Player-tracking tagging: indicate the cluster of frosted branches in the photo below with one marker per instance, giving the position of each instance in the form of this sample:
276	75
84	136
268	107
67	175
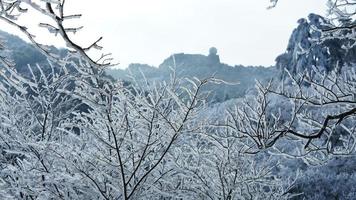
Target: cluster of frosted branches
11	10
316	111
342	9
212	166
321	104
69	132
330	108
342	13
80	136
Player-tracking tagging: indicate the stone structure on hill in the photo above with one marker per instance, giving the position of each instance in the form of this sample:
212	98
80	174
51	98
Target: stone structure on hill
213	56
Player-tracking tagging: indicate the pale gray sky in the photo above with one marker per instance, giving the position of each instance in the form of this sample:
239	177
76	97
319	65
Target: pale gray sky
148	31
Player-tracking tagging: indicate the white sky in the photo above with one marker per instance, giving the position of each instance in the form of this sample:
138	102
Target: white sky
148	31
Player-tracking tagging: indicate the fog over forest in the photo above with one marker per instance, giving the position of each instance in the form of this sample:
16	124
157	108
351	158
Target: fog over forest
75	126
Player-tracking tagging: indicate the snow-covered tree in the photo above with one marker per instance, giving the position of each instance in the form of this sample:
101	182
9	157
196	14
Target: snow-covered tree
315	106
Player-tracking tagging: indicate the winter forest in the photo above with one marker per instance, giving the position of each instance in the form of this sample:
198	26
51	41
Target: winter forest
72	126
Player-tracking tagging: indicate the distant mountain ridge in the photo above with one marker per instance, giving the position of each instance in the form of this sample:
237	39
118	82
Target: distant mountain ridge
201	66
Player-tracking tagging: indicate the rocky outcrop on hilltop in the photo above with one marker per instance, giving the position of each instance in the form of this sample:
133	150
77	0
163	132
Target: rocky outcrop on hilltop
188	61
308	47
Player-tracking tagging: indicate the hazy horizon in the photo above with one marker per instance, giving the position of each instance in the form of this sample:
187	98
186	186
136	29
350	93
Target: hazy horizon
244	32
